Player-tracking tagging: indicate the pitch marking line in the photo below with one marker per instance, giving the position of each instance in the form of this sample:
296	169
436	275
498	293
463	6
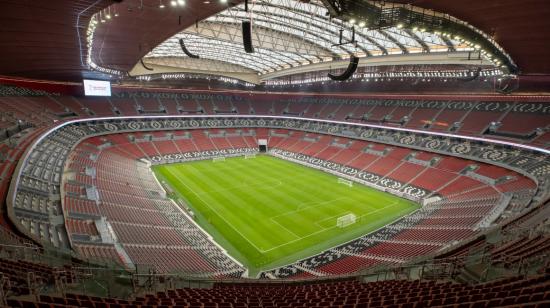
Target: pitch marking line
287	243
317	232
214	210
311	205
382	208
261	185
360	216
319	222
295	235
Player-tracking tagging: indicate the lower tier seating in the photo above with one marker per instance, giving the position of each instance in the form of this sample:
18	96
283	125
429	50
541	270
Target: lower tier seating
116	210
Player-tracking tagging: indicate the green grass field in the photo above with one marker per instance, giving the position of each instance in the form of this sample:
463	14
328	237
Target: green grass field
268	212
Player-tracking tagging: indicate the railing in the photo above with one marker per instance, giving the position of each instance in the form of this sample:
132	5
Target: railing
4	287
494	213
121	283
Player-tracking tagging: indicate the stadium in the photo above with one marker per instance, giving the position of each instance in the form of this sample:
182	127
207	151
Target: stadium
274	153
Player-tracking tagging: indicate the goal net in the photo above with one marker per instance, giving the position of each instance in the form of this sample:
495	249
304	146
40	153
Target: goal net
345	220
218	159
249	156
345	182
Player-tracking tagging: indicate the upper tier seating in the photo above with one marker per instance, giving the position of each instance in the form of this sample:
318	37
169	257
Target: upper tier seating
523	121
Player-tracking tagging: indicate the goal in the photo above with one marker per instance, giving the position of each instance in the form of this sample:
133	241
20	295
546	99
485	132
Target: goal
249	156
218	159
345	182
346	220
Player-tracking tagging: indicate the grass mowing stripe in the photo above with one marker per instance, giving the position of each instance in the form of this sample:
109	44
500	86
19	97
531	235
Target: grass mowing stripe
274	195
280	195
206	204
300	204
268	212
313	197
235	204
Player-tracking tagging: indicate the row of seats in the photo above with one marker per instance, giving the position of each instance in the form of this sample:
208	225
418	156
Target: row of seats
465	201
515	119
462	203
43	170
451	221
388	160
349	293
22	275
150	229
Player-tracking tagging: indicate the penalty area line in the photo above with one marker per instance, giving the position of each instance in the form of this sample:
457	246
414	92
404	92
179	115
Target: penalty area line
330	228
290	231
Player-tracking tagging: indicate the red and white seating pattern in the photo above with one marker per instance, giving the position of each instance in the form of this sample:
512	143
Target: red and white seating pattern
517	118
147	225
139	224
42	111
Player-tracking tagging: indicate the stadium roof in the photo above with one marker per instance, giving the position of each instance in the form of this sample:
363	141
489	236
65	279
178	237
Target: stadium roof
522	28
48	39
287	34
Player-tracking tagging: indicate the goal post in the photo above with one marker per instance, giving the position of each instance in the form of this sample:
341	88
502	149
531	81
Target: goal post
345	182
346	220
218	159
249	156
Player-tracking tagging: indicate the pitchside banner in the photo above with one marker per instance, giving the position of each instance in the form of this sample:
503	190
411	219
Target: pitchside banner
201	155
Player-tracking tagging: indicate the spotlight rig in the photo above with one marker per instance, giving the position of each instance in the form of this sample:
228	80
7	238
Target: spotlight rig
377	15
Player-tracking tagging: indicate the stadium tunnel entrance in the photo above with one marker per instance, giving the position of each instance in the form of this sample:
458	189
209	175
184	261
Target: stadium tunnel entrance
262	145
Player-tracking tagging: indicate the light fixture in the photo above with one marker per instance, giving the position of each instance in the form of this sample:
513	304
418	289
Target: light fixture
115	11
173	3
399	26
161	5
223	1
352	21
181	2
362	24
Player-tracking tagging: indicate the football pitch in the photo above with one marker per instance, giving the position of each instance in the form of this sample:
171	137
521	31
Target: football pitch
268	212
